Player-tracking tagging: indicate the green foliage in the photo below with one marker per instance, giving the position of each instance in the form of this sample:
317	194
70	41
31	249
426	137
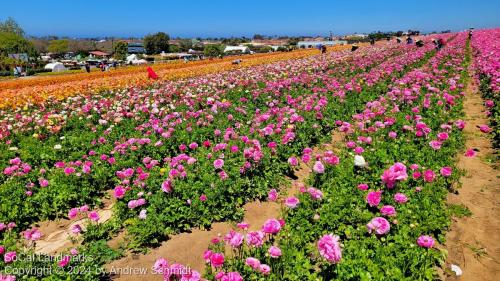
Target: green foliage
120	50
11	26
156	43
59	46
213	50
459	210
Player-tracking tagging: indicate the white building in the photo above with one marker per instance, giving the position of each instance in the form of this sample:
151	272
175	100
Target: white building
241	49
55	66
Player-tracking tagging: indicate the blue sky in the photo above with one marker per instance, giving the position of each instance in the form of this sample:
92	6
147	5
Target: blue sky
209	18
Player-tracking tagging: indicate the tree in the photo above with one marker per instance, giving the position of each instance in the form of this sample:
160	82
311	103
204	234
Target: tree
214	50
185	45
58	46
156	43
11	43
121	50
11	26
258	37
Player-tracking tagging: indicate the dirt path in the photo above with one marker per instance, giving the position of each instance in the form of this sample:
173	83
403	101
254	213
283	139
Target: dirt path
474	242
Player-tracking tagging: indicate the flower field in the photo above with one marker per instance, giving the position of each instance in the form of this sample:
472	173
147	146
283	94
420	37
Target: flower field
377	130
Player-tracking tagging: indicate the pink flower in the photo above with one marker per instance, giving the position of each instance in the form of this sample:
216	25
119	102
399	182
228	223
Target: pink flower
429	176
73	213
425	241
69	170
190	275
160	265
436	145
231	276
217	259
64	261
400	198
76	229
442	136
293	161
380	225
271	226
373	198
2	250
318	167
9	257
119	192
264	269
470	153
166	186
393	135
32	234
233	238
243	225
315	193
253	263
274	252
206	255
73	251
292	202
388	210
446	171
43	182
362	186
485	128
329	248
395	173
203	198
255	238
218	164
93	216
272	195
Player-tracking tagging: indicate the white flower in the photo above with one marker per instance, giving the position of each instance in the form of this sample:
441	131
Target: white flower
13	148
57	146
359	161
455	268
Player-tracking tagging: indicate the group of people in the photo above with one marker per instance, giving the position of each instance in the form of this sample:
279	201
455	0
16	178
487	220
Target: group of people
103	66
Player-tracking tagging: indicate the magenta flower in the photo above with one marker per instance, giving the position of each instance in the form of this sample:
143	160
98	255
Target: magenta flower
400	198
253	263
64	261
292	202
429	175
388	210
255	238
329	248
272	195
446	171
271	226
470	153
166	186
94	216
9	257
265	269
318	167
362	186
119	192
274	252
217	259
425	241
293	161
373	198
218	164
378	225
234	239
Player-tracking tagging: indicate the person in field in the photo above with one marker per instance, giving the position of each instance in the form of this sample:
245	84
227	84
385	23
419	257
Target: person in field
409	40
354	47
151	73
87	67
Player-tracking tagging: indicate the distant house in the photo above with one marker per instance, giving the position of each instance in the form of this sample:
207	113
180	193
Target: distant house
237	49
314	44
136	48
98	54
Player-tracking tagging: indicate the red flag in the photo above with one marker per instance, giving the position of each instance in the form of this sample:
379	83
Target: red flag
151	73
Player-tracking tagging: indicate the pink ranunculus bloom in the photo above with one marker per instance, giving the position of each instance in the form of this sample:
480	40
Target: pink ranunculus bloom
32	234
160	265
460	124
69	170
243	225
318	167
485	129
395	173
315	193
9	257
253	263
271	226
234	239
400	198
425	241
436	145
73	213
265	269
292	202
429	175
190	275
119	192
166	186
43	182
272	195
470	153
388	210
446	171
218	164
94	216
232	276
373	198
255	238
2	250
442	136
379	225
362	186
64	261
217	259
393	135
206	255
274	252
329	248
203	198
76	229
293	161
73	252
